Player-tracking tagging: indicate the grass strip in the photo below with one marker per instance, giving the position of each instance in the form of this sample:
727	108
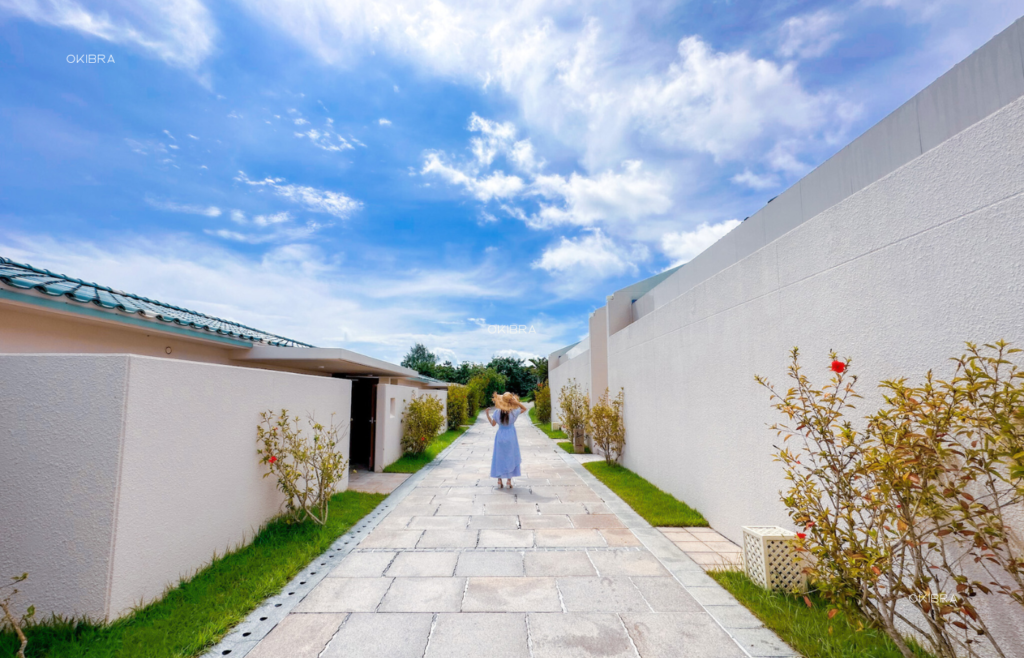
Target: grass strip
546	427
411	463
808	629
656	506
567	446
197	613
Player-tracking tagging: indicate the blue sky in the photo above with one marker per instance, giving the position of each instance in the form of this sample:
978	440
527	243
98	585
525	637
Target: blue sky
367	175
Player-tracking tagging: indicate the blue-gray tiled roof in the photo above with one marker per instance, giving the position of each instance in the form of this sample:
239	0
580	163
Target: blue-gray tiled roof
27	277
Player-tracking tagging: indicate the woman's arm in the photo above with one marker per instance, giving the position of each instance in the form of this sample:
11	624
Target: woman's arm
489	418
522	407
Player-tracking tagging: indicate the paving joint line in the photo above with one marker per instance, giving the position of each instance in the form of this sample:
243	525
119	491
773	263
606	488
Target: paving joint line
244	637
597	486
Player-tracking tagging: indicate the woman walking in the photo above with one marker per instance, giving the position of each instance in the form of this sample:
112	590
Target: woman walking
505	460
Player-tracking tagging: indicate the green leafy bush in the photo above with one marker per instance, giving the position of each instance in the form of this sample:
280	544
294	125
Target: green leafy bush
605	426
308	473
484	384
542	402
423	419
458	405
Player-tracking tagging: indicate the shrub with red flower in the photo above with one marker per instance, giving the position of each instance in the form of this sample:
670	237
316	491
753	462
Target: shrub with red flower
838	366
272	459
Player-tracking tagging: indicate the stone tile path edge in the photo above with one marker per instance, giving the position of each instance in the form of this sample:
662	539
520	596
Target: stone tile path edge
243	637
753	638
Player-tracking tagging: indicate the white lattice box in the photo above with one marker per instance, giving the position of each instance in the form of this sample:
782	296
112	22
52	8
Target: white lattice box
769	559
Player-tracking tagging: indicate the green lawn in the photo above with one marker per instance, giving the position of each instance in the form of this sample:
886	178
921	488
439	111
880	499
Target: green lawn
546	427
198	613
650	502
809	630
567	446
411	463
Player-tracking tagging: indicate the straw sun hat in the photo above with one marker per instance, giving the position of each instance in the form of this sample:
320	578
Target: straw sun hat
506	401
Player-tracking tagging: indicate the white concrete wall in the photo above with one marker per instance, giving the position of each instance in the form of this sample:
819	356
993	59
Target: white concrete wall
897	276
60	443
392	401
578	368
130	472
598	353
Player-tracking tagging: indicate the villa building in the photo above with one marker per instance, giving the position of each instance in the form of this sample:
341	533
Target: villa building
128	434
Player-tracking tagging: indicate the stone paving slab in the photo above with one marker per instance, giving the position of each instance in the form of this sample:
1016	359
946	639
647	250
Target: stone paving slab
450	565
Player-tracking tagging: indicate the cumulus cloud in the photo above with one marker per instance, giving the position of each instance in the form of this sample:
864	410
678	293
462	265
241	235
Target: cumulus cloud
384	122
809	35
684	246
187	208
592	255
322	201
179	32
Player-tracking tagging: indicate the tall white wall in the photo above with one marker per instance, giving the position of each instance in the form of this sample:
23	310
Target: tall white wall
130	472
576	367
897	276
392	402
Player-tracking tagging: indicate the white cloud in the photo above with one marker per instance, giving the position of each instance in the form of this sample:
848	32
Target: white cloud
683	246
301	122
327	139
593	255
609	198
384	122
187	208
755	181
809	35
323	201
193	136
238	216
497	185
168	133
298	291
269	220
179	32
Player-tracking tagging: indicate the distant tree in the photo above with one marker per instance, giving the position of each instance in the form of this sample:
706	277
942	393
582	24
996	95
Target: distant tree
518	378
539	370
421	360
485	383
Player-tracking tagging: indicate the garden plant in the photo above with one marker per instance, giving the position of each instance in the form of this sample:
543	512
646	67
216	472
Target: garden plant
423	420
542	402
11	620
606	427
902	511
458	405
574	412
308	470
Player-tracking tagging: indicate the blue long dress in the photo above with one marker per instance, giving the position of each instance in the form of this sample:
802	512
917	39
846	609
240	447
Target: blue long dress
505	460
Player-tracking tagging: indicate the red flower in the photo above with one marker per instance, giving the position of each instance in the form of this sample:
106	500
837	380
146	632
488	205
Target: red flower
272	459
801	535
810	524
838	366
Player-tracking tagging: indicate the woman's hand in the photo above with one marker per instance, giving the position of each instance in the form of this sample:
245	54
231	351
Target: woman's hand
490	418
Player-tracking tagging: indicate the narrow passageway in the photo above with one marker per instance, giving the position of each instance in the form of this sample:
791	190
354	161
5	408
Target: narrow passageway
556	567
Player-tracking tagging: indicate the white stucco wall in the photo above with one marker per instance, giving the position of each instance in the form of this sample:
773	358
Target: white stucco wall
578	368
392	401
131	472
897	276
60	442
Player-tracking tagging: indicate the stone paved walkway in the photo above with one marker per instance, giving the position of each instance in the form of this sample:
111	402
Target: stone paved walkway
557	567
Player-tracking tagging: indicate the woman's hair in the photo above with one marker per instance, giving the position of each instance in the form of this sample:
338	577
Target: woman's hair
504	417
